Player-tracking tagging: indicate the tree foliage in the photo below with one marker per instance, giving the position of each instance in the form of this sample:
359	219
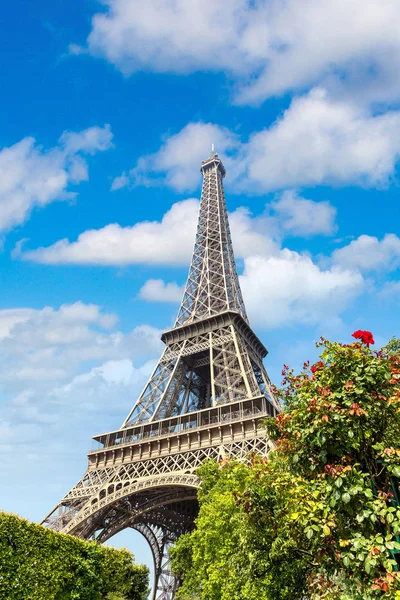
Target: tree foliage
40	564
320	517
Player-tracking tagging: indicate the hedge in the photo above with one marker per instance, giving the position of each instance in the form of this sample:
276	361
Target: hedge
39	564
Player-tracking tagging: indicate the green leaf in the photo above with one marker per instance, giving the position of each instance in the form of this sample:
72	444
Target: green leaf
47	565
233	553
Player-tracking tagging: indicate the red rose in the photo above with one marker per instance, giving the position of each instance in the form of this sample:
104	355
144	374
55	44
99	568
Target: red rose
366	337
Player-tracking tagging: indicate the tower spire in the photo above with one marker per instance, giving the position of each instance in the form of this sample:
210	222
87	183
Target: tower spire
212	326
213	285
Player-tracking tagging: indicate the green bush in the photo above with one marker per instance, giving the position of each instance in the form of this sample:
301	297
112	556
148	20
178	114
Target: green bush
39	564
319	518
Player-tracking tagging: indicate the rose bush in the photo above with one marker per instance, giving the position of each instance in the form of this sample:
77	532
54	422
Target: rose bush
320	518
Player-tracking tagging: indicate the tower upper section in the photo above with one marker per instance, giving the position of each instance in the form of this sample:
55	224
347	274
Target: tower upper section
213	283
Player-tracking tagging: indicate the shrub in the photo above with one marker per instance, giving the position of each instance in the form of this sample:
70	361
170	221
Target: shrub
320	517
39	564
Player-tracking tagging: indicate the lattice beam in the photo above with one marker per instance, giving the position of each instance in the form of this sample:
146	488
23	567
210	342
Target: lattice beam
207	398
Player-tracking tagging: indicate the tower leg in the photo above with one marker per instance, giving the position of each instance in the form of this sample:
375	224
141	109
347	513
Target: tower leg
160	541
166	584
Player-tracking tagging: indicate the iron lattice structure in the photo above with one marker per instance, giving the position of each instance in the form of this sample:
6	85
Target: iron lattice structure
207	398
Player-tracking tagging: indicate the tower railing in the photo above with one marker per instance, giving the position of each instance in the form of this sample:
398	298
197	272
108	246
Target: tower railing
201	419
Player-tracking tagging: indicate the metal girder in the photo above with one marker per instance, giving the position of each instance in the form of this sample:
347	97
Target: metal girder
207	398
221	359
213	283
163	497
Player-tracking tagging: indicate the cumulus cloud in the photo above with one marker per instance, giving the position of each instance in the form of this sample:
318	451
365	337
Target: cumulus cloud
289	288
168	242
156	290
106	384
335	42
120	182
178	161
176	36
12	316
282	288
390	291
48	345
252	235
317	140
165	242
269	47
31	176
91	140
66	374
368	253
303	217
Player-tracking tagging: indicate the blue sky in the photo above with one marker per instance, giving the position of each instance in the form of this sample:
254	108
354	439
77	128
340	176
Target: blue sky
106	113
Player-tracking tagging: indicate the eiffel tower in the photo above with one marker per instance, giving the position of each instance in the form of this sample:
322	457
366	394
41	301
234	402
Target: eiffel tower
207	398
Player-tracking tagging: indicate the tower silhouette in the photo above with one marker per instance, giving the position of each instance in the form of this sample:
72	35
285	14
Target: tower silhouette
207	398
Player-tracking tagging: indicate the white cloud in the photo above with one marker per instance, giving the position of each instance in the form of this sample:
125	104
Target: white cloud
179	158
252	235
33	177
289	288
270	47
48	345
13	435
302	217
390	291
317	140
156	290
282	288
175	36
368	253
337	42
120	182
91	140
58	389
68	325
12	316
105	380
167	242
